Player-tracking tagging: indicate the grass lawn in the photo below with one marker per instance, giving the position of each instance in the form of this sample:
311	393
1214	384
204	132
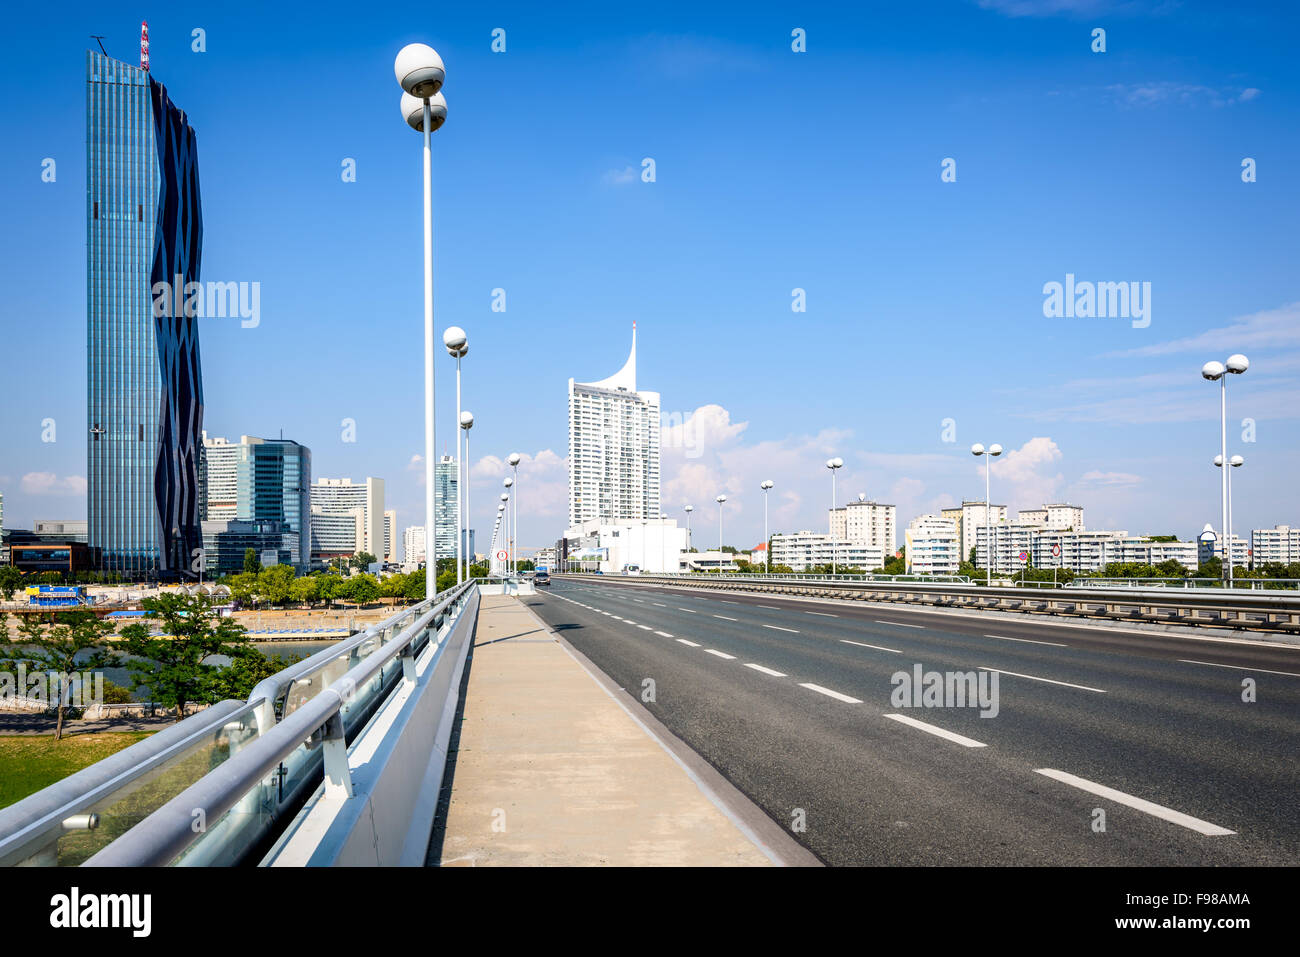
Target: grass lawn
31	762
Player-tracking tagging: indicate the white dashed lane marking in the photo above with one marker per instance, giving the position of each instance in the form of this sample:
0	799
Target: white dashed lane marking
766	671
863	644
937	731
691	643
830	694
1137	803
720	654
779	628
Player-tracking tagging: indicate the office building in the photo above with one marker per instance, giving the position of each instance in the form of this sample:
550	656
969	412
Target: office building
413	545
225	543
446	497
1278	545
336	534
390	540
802	550
1060	516
340	497
969	516
259	480
144	226
653	545
866	523
932	546
613	449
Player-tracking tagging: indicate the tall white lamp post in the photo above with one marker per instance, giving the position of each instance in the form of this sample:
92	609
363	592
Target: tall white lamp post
514	508
1219	371
993	451
834	465
467	423
420	72
458	347
720	499
688	509
767	538
510	541
1235	462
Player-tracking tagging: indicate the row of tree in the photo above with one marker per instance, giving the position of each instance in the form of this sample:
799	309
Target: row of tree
173	668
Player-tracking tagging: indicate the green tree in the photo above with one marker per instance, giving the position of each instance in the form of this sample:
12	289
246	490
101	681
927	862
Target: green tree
10	579
305	589
415	585
243	588
361	589
361	561
60	649
246	669
329	587
275	584
173	666
251	563
394	586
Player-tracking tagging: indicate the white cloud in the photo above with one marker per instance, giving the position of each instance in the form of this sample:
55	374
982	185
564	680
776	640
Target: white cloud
47	483
1269	328
1025	478
1098	479
619	177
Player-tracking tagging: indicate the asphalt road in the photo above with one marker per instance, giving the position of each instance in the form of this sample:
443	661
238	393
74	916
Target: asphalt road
1107	747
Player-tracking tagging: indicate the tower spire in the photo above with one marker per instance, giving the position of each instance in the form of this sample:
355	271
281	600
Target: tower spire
144	45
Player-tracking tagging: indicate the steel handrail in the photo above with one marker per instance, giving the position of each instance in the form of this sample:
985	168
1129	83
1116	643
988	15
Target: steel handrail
168	831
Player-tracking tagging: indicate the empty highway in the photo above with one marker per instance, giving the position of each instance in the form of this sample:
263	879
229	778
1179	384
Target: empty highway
1100	747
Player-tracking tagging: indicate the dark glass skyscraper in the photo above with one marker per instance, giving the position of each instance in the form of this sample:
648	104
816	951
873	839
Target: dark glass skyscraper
144	226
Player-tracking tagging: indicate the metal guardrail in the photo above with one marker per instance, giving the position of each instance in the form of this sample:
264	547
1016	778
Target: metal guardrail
1259	611
78	817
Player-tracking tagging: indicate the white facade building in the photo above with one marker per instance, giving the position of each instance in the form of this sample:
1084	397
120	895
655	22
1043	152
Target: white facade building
801	550
932	546
969	516
390	537
614	435
1240	549
337	534
220	478
341	496
866	523
653	545
413	545
1280	544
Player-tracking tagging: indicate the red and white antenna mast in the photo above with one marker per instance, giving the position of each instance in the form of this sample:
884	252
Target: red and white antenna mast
144	45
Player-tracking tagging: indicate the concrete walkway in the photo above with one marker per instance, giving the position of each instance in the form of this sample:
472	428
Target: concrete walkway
552	770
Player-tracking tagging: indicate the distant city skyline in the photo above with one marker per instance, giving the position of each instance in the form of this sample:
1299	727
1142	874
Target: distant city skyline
924	328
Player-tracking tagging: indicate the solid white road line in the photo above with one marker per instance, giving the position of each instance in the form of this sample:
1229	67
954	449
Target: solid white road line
628	621
725	618
616	617
720	654
1215	664
664	633
830	694
645	627
820	614
1054	644
940	732
691	643
902	623
766	671
1050	681
1138	804
863	644
779	628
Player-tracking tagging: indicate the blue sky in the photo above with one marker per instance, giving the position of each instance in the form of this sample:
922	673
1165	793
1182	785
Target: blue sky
774	170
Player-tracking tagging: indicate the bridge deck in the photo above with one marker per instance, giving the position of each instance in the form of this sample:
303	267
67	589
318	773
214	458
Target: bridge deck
552	770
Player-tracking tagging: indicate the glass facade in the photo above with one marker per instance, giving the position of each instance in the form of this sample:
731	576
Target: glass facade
273	483
144	388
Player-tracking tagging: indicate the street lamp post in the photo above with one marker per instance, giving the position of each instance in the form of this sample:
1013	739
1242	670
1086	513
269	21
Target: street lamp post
510	531
467	423
458	347
767	539
1236	365
514	508
993	451
720	499
688	509
1235	462
834	465
420	72
663	538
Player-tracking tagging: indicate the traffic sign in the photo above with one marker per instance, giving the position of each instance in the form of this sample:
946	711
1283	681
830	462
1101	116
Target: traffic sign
1056	551
502	555
1024	556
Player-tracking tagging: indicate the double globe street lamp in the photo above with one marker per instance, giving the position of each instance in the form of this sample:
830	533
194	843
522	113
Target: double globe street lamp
1219	372
458	347
834	465
419	71
467	423
767	539
720	499
992	452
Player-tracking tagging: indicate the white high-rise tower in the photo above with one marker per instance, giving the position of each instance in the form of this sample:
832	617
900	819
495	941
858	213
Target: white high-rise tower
613	448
